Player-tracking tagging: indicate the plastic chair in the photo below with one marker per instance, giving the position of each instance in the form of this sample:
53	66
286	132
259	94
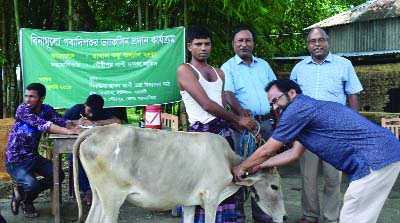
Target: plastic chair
393	124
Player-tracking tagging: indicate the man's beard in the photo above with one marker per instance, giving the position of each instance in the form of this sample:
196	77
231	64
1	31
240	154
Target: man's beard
281	109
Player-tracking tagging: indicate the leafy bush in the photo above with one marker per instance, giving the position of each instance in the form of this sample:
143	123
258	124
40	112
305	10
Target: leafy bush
376	116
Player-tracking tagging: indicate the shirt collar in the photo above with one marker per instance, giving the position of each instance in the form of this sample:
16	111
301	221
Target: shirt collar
239	60
328	58
298	98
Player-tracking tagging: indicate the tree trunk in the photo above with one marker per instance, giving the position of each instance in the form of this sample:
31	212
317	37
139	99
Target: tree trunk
70	28
13	93
166	17
185	14
139	15
146	15
2	56
6	48
16	15
12	99
160	15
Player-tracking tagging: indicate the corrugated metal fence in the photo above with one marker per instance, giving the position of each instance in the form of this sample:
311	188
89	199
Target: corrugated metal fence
374	35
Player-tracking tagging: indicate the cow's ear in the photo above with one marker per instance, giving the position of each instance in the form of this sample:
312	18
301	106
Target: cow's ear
249	180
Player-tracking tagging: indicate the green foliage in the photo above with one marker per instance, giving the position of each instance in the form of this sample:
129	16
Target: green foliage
2	60
278	24
377	116
134	114
287	32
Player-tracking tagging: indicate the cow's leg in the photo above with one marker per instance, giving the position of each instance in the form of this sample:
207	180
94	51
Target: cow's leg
111	203
210	211
95	209
188	214
210	202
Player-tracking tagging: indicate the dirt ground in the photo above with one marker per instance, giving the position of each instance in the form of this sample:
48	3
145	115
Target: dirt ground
129	213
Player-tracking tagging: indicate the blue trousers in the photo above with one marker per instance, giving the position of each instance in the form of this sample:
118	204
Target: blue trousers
23	174
83	180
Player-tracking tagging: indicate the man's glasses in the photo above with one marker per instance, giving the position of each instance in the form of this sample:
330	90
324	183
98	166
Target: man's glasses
275	100
315	41
241	41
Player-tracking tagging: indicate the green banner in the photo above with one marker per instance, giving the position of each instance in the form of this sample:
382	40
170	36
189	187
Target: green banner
126	68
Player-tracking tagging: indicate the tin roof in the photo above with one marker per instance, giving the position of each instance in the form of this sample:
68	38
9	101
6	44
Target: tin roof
371	10
375	57
371	53
353	54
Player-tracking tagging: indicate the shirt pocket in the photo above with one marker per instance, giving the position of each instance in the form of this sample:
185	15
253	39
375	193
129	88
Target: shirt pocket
240	87
335	87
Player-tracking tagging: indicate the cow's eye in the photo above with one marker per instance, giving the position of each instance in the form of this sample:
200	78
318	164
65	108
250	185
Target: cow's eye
274	187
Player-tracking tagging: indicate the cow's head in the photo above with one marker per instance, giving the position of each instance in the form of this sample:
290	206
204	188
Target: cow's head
267	192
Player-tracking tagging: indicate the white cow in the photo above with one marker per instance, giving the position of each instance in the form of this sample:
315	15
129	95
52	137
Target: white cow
159	170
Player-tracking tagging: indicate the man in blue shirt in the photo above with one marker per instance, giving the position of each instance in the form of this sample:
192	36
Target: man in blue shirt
328	77
91	113
245	79
369	154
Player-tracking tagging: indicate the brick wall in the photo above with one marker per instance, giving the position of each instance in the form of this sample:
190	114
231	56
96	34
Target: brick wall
377	80
5	126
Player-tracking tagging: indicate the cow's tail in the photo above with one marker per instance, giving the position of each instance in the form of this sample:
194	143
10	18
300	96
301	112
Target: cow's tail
75	153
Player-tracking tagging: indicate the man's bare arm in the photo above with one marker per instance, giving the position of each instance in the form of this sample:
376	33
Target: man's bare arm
235	105
187	81
352	101
69	129
284	158
262	154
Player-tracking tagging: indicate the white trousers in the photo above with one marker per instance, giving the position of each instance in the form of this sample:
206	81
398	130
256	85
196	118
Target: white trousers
365	197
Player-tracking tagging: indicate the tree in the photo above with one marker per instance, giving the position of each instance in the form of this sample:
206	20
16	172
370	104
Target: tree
278	25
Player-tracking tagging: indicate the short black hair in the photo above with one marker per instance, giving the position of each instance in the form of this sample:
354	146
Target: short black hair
240	29
40	88
95	102
198	32
284	85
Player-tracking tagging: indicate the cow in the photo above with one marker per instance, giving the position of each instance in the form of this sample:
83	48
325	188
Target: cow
159	170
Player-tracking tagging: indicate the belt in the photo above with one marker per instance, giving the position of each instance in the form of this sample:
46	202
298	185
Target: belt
261	118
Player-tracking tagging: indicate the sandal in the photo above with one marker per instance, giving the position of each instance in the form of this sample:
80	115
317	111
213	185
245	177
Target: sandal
29	212
14	203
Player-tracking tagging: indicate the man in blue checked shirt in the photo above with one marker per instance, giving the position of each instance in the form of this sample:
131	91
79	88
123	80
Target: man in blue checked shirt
323	76
369	154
